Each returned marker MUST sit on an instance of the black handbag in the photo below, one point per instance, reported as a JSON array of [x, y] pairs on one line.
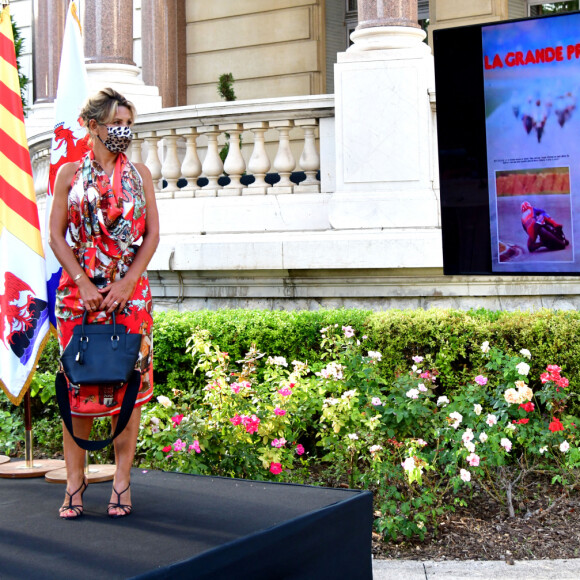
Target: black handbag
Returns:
[[99, 354]]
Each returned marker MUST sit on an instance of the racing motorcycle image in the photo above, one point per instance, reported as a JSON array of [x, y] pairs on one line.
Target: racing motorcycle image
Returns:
[[542, 229]]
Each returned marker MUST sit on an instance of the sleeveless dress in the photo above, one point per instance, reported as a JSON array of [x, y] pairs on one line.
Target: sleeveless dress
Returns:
[[106, 221]]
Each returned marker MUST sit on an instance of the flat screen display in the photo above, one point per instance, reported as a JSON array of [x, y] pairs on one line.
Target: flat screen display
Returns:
[[508, 124]]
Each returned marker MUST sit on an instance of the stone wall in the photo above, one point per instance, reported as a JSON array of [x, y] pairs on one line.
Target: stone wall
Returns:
[[272, 47]]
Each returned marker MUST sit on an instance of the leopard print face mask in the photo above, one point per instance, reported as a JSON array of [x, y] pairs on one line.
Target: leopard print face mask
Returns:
[[118, 140]]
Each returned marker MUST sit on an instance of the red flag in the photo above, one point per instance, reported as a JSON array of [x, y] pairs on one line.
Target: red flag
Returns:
[[23, 303]]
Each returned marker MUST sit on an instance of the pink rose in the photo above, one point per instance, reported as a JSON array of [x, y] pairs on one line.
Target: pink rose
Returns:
[[236, 419], [251, 423], [179, 445], [276, 468], [177, 419], [348, 331], [299, 449], [481, 380], [195, 447], [285, 392], [279, 412]]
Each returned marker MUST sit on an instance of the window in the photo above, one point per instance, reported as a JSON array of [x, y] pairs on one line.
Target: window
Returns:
[[540, 7], [350, 19]]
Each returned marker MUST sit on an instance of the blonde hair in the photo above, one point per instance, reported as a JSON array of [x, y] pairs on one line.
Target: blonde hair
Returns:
[[103, 106]]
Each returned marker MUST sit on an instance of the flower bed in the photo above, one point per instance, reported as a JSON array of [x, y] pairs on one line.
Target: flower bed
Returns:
[[414, 447]]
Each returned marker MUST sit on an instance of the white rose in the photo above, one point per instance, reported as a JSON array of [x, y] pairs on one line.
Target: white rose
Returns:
[[163, 400], [523, 368]]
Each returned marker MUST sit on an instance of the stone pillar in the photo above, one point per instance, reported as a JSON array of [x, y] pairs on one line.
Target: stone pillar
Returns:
[[48, 20], [385, 24], [387, 13], [385, 135], [108, 35], [163, 49], [48, 32], [108, 31]]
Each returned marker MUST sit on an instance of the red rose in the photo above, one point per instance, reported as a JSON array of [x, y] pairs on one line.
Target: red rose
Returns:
[[555, 425], [166, 449]]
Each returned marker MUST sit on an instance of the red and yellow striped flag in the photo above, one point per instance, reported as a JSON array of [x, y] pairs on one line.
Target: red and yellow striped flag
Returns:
[[23, 305]]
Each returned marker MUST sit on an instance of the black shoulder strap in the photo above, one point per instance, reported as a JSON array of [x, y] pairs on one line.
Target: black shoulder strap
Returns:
[[127, 405]]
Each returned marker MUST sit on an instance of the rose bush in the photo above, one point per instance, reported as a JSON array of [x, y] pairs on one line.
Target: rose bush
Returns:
[[411, 442]]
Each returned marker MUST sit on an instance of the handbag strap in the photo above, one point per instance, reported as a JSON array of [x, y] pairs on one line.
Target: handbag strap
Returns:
[[127, 405], [84, 322]]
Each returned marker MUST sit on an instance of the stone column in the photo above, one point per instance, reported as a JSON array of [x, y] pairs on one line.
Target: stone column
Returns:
[[385, 24], [387, 13], [163, 49], [108, 40], [108, 31], [48, 32], [48, 20], [385, 135]]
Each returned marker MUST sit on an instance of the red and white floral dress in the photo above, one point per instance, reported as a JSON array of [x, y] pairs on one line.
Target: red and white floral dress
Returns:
[[106, 223]]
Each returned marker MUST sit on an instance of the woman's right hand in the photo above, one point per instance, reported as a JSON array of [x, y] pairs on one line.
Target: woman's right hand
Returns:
[[90, 296]]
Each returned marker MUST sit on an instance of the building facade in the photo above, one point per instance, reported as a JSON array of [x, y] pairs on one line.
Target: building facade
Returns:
[[336, 93]]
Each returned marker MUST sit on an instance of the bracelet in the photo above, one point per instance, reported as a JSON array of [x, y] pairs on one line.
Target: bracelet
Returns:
[[77, 277]]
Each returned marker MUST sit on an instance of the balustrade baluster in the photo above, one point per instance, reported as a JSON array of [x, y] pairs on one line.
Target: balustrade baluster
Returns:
[[137, 150], [44, 171], [212, 165], [284, 162], [40, 170], [153, 162], [234, 164], [191, 166], [171, 168], [310, 159], [259, 163]]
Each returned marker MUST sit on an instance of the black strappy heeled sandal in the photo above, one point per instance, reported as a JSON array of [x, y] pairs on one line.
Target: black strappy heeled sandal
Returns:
[[76, 509], [127, 509]]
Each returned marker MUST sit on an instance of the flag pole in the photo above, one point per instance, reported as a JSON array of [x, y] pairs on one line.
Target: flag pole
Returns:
[[28, 446]]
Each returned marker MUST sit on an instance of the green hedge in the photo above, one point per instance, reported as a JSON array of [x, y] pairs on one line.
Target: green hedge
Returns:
[[451, 337]]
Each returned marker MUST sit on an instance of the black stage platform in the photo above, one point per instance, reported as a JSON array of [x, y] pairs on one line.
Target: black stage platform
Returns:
[[187, 526]]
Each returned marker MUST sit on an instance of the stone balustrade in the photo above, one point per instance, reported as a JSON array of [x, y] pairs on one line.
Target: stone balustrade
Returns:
[[268, 141]]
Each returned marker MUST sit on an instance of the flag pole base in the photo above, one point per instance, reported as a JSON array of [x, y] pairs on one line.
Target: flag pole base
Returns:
[[94, 473], [19, 470]]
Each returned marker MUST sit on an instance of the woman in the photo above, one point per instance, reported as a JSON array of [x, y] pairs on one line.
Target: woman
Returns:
[[108, 207]]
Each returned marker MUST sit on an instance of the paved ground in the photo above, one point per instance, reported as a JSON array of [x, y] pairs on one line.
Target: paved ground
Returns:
[[496, 570]]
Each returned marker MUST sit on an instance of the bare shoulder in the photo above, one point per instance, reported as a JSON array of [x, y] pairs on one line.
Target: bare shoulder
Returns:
[[66, 172], [143, 170]]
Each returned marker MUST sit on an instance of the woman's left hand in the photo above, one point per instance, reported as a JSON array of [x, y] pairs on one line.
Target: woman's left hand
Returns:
[[117, 294]]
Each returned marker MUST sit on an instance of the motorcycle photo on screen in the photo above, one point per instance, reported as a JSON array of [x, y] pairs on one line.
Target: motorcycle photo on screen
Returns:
[[543, 231]]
